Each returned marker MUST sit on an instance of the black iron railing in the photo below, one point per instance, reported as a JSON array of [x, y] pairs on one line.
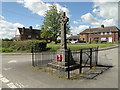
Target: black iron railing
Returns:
[[85, 59]]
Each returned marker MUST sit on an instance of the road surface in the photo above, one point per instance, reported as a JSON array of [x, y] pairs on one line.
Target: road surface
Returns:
[[17, 72]]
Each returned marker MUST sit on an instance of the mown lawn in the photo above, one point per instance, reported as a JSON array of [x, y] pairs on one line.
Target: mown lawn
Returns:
[[77, 46]]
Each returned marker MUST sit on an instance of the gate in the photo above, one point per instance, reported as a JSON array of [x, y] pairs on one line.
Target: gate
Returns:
[[86, 59]]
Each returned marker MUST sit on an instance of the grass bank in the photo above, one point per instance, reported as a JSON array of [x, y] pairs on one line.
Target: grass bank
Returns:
[[54, 47], [77, 46]]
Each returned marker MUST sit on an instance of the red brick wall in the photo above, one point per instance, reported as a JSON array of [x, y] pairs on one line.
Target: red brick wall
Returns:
[[87, 37]]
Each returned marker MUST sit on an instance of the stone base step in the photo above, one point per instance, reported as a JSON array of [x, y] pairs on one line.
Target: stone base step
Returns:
[[63, 68]]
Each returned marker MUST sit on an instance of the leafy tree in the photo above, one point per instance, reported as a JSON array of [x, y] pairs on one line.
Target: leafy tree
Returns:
[[45, 33], [51, 25]]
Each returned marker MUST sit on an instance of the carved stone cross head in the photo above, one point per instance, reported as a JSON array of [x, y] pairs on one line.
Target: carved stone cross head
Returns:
[[63, 18]]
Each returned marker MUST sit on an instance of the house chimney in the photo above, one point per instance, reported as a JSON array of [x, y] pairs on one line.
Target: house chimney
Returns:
[[102, 26], [30, 27], [23, 30]]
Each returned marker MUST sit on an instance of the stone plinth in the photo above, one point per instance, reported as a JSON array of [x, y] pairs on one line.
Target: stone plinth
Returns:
[[63, 64]]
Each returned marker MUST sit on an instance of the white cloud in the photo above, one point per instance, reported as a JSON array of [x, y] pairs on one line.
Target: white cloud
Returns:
[[8, 29], [104, 12], [88, 18], [106, 9], [75, 22], [59, 8], [94, 21], [77, 30], [40, 8], [1, 17]]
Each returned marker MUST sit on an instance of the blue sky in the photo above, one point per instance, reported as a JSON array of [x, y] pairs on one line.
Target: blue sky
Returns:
[[15, 12], [82, 15]]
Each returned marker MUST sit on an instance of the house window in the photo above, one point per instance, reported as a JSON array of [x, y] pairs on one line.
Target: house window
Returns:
[[95, 33], [110, 33], [105, 33], [70, 39], [37, 36], [98, 33], [101, 33], [103, 39], [83, 39], [29, 36]]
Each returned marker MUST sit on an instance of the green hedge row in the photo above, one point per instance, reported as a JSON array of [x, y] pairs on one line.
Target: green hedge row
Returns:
[[24, 45]]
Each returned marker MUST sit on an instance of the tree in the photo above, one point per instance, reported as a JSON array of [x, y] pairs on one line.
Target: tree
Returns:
[[46, 33], [51, 25]]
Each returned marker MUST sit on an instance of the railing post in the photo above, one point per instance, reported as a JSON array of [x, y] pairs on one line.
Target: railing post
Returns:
[[80, 68], [96, 56], [68, 64], [32, 56], [90, 58]]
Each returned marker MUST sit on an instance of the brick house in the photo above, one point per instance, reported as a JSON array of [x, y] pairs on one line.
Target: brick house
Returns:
[[27, 33], [101, 34]]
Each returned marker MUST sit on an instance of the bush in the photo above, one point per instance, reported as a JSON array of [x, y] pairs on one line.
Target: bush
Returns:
[[24, 45], [7, 39], [8, 50]]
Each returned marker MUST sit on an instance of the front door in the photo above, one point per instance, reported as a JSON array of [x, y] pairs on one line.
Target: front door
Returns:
[[110, 39]]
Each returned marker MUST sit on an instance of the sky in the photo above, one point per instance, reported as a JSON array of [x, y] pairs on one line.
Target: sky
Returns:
[[82, 15]]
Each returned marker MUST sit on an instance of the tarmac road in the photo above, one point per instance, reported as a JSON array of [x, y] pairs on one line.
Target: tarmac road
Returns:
[[17, 72]]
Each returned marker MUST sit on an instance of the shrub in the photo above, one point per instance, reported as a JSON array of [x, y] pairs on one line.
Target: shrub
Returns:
[[7, 39], [24, 45], [8, 50]]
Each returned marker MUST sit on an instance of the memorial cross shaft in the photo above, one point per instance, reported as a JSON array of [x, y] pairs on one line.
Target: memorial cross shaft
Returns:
[[63, 21]]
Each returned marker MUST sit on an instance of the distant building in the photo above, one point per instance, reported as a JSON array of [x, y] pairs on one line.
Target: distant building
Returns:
[[101, 34], [27, 33]]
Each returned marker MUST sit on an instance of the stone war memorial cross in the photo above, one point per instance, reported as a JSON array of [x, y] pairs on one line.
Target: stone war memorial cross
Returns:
[[63, 51], [62, 54]]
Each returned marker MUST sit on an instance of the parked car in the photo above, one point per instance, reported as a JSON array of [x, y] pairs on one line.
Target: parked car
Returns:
[[80, 41], [74, 41]]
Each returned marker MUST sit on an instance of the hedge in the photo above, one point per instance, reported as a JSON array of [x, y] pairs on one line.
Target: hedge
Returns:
[[24, 45]]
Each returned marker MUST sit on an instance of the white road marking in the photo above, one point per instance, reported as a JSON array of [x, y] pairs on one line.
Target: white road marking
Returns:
[[5, 80], [12, 61], [11, 85], [1, 75], [7, 69], [20, 85]]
